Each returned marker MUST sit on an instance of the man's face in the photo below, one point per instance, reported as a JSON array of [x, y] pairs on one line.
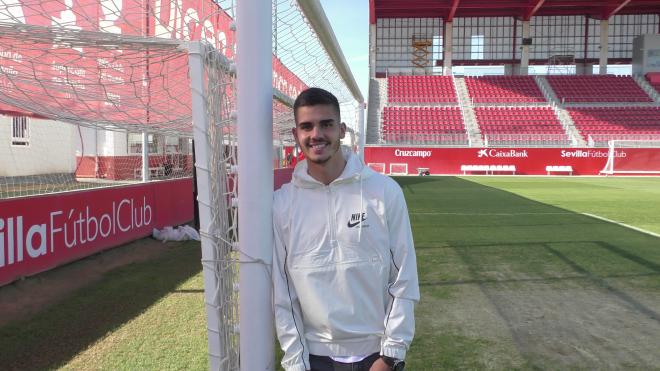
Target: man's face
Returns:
[[318, 132]]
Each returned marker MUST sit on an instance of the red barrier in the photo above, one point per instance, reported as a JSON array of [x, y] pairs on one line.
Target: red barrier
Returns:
[[638, 159], [41, 232], [128, 167], [529, 161], [282, 176]]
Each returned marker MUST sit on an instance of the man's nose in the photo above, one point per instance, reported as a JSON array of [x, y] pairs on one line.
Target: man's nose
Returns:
[[316, 131]]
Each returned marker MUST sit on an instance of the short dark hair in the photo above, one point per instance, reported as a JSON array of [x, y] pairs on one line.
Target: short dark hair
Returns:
[[313, 97]]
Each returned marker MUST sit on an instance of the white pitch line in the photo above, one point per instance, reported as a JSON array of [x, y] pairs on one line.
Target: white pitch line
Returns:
[[484, 214], [623, 225]]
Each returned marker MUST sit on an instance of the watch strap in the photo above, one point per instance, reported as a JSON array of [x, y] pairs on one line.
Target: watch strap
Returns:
[[394, 363]]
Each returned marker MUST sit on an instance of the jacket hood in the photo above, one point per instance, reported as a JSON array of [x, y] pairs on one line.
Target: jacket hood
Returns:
[[354, 171]]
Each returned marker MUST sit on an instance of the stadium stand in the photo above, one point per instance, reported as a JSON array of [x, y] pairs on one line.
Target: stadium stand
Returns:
[[597, 88], [420, 89], [507, 110], [600, 124], [521, 126], [439, 125], [504, 89]]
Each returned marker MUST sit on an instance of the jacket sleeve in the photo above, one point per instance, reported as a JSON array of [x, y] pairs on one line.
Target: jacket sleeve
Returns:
[[403, 284], [288, 317]]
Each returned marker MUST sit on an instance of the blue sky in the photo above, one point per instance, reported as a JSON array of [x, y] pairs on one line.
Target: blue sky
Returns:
[[350, 22]]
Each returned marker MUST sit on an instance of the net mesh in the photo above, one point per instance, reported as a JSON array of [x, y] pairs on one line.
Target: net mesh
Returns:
[[219, 231], [94, 76], [75, 82], [297, 46], [63, 157], [80, 82], [80, 116], [115, 83]]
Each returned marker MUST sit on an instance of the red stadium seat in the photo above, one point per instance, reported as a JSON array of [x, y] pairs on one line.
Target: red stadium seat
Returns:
[[440, 125], [607, 123], [521, 126], [421, 89], [597, 88], [504, 89]]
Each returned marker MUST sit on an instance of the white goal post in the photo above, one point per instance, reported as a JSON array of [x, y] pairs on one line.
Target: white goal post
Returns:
[[632, 157]]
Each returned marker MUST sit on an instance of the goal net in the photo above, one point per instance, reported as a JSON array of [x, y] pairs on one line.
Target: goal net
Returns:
[[103, 88], [116, 78], [632, 157], [76, 104]]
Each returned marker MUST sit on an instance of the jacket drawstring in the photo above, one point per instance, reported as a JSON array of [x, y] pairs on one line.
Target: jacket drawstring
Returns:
[[361, 210]]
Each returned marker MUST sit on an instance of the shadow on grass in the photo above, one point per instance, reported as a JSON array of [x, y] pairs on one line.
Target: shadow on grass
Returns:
[[510, 247], [58, 333]]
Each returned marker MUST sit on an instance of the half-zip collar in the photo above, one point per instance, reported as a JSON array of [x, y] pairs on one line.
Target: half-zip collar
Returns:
[[353, 171]]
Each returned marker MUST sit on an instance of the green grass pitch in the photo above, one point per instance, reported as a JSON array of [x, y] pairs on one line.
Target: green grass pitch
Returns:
[[519, 273], [516, 274]]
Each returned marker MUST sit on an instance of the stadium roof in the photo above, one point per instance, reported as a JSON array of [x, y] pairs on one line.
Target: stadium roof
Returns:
[[522, 9]]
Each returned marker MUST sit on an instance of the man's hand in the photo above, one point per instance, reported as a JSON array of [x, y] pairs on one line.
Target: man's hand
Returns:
[[380, 365]]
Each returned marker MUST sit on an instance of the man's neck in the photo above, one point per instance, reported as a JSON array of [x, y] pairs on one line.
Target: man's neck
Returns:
[[326, 173]]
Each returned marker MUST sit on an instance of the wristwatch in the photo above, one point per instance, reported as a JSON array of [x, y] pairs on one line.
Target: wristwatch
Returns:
[[394, 363]]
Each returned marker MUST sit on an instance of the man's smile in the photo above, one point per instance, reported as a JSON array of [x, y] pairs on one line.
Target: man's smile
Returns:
[[318, 147]]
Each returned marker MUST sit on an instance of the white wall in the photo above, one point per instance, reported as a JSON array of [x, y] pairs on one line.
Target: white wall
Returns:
[[51, 150], [88, 146], [101, 142], [113, 143]]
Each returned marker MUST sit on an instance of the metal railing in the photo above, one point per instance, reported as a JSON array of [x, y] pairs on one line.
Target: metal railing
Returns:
[[527, 140], [425, 139], [602, 140]]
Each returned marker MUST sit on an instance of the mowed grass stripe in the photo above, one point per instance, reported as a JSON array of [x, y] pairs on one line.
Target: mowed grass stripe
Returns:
[[496, 255], [633, 201]]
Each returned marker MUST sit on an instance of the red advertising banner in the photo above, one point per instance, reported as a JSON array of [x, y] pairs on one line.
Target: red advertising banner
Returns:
[[637, 159], [529, 161], [282, 176], [39, 233]]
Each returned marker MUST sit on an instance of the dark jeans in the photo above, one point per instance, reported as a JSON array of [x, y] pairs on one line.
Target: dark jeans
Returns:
[[323, 363]]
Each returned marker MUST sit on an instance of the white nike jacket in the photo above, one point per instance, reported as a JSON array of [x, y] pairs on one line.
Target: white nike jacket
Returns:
[[344, 267]]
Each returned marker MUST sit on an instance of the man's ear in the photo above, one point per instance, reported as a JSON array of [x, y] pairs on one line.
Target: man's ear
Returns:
[[295, 137], [342, 128]]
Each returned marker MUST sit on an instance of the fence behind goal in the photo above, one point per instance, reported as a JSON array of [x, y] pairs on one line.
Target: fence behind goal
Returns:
[[59, 156]]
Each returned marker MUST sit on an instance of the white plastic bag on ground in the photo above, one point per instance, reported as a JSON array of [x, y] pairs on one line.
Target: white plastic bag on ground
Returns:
[[180, 233]]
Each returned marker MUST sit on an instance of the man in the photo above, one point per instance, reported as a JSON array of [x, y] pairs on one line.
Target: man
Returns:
[[344, 269]]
